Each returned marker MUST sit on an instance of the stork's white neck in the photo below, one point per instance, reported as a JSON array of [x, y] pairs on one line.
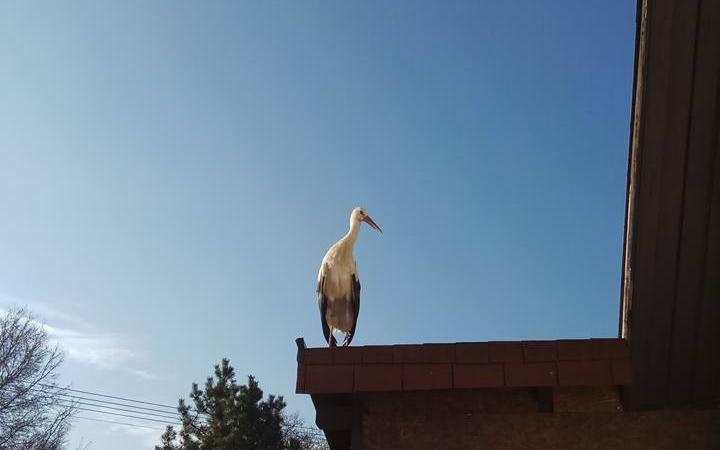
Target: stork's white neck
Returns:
[[348, 241]]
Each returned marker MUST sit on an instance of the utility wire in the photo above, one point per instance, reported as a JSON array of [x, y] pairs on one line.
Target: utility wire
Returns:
[[317, 433], [119, 409], [126, 415], [101, 404], [106, 396], [309, 430], [69, 400], [78, 397], [118, 423], [59, 391]]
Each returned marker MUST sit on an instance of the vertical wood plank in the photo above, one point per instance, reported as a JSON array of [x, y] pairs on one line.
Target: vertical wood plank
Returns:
[[696, 206], [662, 156], [632, 172], [657, 35], [707, 363]]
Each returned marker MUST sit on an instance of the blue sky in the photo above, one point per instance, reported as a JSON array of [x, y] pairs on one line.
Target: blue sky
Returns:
[[171, 174]]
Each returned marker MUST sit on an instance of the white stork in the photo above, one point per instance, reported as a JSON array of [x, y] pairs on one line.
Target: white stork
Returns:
[[339, 285]]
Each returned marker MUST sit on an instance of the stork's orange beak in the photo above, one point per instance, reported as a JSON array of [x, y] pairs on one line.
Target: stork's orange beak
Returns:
[[370, 222]]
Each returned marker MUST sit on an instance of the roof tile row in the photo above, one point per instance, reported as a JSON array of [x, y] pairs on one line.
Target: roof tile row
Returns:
[[463, 365], [471, 352]]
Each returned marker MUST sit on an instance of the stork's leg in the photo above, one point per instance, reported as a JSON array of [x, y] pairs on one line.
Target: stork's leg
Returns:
[[346, 342], [331, 340]]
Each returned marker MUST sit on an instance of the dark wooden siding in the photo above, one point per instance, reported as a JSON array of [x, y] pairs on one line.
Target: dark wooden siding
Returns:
[[671, 294]]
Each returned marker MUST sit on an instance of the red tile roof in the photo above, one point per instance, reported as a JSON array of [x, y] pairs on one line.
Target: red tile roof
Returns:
[[379, 368]]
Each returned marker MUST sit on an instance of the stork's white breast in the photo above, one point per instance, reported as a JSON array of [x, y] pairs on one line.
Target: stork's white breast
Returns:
[[338, 280], [338, 270]]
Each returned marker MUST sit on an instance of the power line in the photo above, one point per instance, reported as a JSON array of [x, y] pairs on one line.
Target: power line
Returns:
[[309, 430], [107, 402], [316, 432], [118, 423], [59, 390], [126, 415], [134, 408], [104, 404], [118, 409], [106, 396]]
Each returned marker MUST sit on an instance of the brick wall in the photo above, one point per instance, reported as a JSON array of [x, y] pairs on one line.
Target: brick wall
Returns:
[[508, 419]]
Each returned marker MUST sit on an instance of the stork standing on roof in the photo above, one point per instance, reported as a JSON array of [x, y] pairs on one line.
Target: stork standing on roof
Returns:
[[339, 285]]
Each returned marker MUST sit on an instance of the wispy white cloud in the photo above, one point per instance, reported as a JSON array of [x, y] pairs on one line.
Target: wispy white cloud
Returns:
[[102, 350], [148, 438], [142, 374], [84, 343]]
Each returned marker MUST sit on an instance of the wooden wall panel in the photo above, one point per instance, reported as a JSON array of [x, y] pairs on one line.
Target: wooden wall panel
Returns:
[[662, 150], [707, 364], [671, 292], [696, 206]]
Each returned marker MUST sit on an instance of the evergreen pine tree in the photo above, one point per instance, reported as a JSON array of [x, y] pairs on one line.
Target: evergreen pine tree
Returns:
[[227, 416]]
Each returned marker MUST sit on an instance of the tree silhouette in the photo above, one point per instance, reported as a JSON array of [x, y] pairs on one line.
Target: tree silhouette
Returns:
[[225, 415], [33, 413]]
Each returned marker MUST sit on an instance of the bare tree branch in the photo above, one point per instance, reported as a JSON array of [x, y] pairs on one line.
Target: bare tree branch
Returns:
[[32, 413]]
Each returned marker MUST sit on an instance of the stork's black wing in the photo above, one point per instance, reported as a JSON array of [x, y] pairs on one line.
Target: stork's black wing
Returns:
[[322, 304], [355, 306]]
